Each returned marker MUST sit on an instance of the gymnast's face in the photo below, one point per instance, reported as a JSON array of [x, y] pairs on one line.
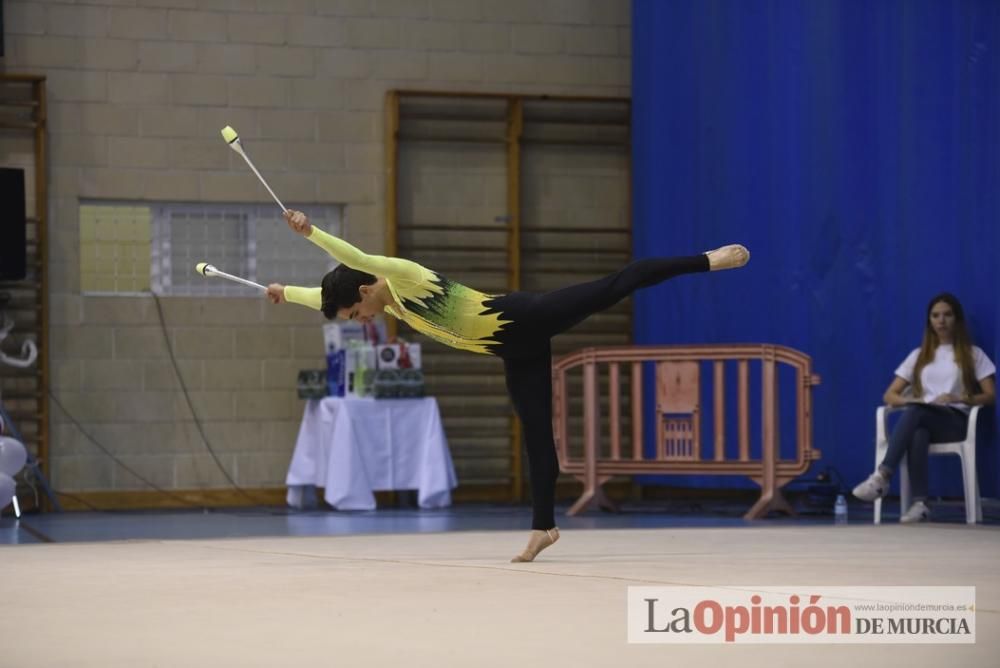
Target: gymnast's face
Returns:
[[942, 320], [364, 310]]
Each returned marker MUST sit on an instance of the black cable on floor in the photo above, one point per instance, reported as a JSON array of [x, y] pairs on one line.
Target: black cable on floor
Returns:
[[190, 404], [115, 459]]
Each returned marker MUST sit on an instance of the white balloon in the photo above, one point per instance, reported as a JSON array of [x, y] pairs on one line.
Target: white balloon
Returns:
[[12, 455], [7, 487]]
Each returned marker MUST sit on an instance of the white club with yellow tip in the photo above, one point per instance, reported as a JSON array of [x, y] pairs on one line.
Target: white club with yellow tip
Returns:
[[233, 139], [206, 269]]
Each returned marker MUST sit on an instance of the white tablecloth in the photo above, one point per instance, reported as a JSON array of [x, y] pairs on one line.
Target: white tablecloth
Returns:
[[353, 447]]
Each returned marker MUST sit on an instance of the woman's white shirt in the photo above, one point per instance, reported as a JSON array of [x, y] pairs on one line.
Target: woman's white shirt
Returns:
[[942, 375]]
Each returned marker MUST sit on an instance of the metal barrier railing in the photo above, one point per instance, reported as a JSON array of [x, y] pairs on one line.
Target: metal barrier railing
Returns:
[[678, 442]]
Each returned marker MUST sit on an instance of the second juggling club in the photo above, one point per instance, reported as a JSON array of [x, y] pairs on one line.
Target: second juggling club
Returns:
[[233, 139]]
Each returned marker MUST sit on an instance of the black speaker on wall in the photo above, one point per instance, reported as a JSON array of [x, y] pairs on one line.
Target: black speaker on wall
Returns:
[[13, 225]]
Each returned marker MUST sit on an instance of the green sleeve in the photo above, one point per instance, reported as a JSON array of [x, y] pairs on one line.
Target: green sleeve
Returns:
[[380, 266], [311, 297]]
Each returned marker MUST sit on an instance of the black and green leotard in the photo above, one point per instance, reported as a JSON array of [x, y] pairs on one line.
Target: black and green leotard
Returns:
[[442, 309]]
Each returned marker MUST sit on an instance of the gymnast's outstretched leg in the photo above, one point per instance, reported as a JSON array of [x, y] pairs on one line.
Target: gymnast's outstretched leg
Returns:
[[560, 310]]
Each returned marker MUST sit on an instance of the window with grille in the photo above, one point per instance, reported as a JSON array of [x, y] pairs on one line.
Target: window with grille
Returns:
[[130, 248], [114, 248]]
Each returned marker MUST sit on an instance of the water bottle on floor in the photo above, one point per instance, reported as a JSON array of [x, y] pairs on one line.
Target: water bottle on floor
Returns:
[[840, 510]]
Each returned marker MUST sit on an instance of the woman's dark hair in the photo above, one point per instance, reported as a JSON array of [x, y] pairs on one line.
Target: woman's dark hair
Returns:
[[341, 289], [961, 340]]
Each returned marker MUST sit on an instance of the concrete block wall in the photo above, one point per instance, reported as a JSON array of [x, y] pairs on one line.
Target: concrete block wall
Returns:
[[138, 90]]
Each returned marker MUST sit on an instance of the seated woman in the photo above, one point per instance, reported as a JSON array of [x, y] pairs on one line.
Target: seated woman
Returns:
[[948, 375]]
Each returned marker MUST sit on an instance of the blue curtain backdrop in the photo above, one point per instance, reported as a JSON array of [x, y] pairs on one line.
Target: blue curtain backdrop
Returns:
[[853, 147]]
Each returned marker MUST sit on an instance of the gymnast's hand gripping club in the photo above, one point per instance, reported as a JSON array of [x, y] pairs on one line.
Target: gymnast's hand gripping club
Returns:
[[233, 139], [205, 269]]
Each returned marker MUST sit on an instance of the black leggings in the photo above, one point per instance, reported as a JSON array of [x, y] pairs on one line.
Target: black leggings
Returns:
[[527, 355]]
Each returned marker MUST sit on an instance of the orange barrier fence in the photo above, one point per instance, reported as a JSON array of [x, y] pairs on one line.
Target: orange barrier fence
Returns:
[[679, 414]]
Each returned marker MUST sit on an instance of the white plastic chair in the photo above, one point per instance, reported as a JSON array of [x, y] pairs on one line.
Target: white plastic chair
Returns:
[[966, 451]]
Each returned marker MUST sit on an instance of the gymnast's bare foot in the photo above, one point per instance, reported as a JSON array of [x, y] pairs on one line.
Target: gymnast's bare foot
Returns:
[[728, 257], [538, 541]]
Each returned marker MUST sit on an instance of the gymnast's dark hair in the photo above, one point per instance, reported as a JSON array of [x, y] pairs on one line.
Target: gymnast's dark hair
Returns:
[[340, 289]]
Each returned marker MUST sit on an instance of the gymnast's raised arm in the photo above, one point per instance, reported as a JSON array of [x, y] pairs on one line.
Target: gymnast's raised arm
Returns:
[[340, 250]]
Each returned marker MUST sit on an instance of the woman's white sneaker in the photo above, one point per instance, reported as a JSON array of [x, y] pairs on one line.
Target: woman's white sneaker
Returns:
[[918, 512], [874, 487]]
